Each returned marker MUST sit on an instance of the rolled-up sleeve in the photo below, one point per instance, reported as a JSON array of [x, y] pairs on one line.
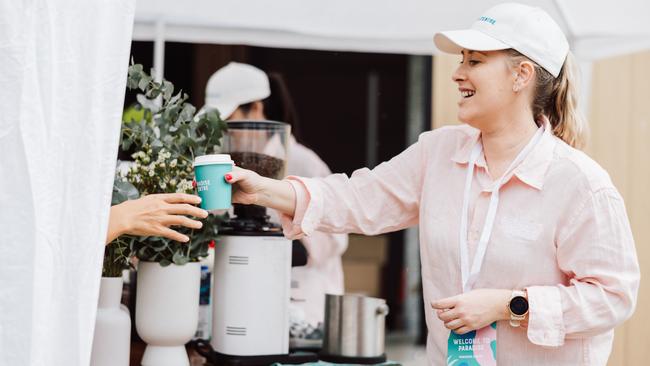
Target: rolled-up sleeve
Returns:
[[595, 249], [370, 202]]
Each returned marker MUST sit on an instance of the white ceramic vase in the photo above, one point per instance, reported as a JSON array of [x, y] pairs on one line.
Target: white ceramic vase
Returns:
[[166, 311], [112, 339]]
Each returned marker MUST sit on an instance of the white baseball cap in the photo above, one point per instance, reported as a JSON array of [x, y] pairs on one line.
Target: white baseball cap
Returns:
[[233, 85], [527, 29]]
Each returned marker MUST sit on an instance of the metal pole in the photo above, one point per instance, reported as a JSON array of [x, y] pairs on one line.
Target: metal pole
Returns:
[[373, 119], [159, 51]]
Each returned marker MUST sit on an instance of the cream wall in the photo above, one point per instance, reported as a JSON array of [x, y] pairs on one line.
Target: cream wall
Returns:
[[619, 119]]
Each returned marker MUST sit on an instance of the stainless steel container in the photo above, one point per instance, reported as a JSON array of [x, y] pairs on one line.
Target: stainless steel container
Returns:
[[354, 326]]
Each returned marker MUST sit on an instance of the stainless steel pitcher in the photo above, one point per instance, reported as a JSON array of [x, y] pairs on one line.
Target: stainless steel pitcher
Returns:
[[354, 326]]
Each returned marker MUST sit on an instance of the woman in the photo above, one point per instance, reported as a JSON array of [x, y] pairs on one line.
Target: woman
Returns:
[[526, 248]]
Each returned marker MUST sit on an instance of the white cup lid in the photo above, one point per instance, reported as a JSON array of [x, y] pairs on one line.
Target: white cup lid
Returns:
[[212, 159]]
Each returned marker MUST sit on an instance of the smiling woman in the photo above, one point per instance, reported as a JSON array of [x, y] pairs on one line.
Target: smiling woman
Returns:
[[553, 290]]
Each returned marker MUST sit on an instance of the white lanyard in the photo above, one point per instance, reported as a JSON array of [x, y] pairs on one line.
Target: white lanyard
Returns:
[[469, 278]]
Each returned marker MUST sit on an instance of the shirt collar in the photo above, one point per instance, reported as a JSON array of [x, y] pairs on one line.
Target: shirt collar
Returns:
[[461, 155], [532, 169]]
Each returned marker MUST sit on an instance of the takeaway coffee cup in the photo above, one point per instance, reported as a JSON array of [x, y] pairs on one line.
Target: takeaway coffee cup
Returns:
[[209, 171]]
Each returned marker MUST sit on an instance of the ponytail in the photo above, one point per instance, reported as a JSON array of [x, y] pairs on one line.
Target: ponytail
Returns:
[[556, 98], [568, 122]]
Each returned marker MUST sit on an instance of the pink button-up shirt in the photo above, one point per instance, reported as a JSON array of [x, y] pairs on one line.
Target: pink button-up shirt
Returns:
[[561, 232]]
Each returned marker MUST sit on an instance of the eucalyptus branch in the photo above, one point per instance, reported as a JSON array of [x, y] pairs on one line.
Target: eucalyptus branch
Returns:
[[165, 137]]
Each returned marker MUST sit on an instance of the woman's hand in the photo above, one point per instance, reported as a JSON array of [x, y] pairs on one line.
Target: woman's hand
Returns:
[[153, 215], [247, 185], [250, 188], [473, 310]]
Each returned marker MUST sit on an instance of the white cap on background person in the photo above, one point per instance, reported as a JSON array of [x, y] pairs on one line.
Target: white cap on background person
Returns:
[[527, 29], [233, 85]]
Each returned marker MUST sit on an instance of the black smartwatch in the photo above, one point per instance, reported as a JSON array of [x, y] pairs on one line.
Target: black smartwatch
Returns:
[[518, 307]]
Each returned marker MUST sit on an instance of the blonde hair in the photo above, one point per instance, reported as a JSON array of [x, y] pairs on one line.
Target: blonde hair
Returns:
[[557, 99]]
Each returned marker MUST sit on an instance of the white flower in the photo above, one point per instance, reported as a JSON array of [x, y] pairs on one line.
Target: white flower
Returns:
[[151, 173], [161, 155], [173, 163], [124, 167], [163, 185], [172, 182], [162, 165], [184, 186]]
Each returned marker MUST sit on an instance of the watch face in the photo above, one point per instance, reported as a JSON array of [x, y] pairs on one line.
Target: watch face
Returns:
[[519, 305]]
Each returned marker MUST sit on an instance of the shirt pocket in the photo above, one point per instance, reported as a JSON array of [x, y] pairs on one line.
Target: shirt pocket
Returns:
[[521, 228]]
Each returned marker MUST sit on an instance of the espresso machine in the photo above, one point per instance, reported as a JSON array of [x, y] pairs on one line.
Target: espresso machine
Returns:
[[252, 263]]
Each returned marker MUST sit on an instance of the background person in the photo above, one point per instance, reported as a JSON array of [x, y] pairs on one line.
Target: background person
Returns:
[[244, 92], [518, 228]]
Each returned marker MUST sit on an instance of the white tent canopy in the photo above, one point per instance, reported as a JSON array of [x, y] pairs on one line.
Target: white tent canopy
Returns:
[[596, 28]]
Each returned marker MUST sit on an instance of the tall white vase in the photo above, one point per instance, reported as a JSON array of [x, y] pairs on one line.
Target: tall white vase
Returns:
[[112, 339], [166, 311]]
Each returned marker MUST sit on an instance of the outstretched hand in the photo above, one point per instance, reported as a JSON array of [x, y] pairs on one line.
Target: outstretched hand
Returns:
[[250, 188], [153, 215], [246, 185]]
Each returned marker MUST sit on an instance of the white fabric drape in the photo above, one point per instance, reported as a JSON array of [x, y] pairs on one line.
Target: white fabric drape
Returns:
[[62, 79]]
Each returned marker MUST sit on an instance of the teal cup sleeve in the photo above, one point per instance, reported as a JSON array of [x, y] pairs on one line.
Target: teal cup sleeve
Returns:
[[215, 192]]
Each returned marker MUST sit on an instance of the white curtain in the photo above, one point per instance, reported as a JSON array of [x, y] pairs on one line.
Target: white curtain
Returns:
[[63, 70]]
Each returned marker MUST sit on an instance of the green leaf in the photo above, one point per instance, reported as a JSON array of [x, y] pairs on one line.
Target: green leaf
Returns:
[[167, 89], [153, 93], [144, 82], [175, 99], [187, 114], [165, 262], [157, 244], [126, 144], [122, 191], [180, 258]]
